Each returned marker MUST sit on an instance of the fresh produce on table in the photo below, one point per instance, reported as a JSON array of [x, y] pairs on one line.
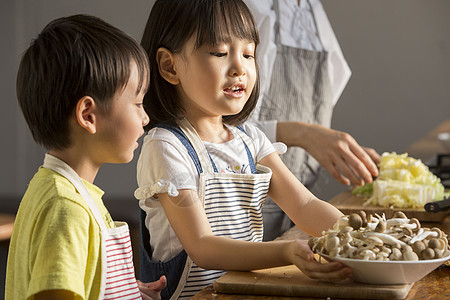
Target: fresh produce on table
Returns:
[[367, 237], [403, 182]]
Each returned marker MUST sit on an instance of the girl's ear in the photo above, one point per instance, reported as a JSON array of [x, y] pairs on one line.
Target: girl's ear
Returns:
[[85, 113], [166, 65]]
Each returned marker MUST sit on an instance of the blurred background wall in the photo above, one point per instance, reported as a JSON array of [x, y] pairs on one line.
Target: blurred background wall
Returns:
[[399, 53]]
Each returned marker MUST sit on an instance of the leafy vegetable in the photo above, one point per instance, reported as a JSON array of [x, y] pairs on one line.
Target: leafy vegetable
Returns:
[[403, 182]]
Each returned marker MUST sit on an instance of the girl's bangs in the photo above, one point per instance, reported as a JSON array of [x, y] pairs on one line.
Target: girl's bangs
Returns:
[[226, 19]]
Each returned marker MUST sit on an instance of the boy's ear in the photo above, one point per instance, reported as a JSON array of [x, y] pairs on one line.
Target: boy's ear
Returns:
[[85, 114], [166, 65]]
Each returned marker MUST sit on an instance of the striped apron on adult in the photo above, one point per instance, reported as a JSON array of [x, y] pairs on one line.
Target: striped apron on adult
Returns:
[[299, 91], [233, 205], [118, 278]]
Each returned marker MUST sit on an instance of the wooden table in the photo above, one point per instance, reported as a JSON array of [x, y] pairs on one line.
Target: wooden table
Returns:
[[6, 226], [435, 285]]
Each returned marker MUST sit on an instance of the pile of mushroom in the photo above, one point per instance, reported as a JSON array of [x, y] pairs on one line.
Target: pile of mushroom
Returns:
[[359, 236]]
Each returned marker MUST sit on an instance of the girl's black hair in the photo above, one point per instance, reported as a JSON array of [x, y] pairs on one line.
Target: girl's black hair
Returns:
[[170, 25]]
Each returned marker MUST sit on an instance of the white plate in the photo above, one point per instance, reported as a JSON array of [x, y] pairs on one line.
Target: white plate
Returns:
[[389, 272]]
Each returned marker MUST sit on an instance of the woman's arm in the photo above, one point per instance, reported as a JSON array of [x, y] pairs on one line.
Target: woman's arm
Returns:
[[187, 218], [337, 151]]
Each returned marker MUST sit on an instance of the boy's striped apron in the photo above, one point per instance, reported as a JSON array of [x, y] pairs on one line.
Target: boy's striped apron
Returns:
[[232, 202], [118, 278]]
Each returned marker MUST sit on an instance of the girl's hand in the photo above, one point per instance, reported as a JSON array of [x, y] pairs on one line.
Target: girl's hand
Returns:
[[152, 290], [302, 256]]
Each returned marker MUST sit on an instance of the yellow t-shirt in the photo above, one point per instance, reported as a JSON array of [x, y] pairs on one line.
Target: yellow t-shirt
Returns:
[[56, 242]]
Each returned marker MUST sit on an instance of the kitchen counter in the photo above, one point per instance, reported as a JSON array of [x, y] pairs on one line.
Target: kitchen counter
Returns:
[[435, 285], [428, 146]]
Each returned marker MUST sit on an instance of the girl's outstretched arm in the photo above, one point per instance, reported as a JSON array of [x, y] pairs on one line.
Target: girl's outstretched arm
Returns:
[[188, 219], [303, 208]]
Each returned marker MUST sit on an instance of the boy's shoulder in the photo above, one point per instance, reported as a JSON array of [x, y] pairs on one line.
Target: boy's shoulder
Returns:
[[48, 188]]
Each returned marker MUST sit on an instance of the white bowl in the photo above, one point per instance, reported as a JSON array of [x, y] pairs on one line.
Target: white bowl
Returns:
[[444, 137], [389, 272]]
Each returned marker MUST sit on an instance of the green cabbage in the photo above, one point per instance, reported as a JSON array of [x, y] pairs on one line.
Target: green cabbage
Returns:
[[402, 182]]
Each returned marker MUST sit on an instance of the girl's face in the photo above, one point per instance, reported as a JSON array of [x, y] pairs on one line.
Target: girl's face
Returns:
[[215, 80]]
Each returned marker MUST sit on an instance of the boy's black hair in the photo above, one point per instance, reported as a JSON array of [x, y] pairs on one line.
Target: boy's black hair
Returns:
[[73, 57], [170, 25]]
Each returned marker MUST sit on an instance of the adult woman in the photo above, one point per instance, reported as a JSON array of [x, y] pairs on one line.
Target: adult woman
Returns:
[[303, 73]]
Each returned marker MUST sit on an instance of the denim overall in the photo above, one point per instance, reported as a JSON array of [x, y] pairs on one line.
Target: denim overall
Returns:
[[233, 205], [300, 90], [118, 279]]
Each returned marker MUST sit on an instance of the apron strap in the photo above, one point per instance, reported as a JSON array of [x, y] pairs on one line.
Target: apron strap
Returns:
[[248, 141], [276, 8], [193, 151], [198, 146], [57, 165]]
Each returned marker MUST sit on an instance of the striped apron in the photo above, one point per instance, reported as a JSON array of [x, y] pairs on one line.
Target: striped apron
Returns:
[[300, 90], [118, 279], [233, 205]]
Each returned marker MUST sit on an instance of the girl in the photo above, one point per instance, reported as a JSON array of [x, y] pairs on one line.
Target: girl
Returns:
[[203, 180]]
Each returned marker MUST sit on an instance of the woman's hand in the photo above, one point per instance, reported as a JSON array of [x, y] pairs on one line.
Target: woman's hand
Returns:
[[152, 290], [302, 256], [337, 151]]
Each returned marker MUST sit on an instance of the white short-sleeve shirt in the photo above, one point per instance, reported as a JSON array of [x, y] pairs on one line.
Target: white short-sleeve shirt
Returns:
[[164, 166]]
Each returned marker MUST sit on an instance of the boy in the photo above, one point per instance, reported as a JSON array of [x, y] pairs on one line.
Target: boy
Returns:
[[80, 86]]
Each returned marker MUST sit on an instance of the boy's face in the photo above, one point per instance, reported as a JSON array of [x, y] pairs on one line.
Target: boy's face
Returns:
[[122, 125], [216, 80]]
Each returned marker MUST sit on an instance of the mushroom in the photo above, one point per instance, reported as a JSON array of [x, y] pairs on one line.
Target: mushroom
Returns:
[[438, 254], [439, 232], [341, 222], [407, 231], [396, 254], [374, 241], [335, 252], [400, 214], [427, 253], [382, 255], [414, 224], [438, 245], [409, 254], [368, 237], [363, 216], [317, 244], [332, 243], [346, 237], [397, 222], [349, 250], [355, 221], [367, 254], [386, 238], [435, 232], [418, 247], [386, 249], [381, 226]]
